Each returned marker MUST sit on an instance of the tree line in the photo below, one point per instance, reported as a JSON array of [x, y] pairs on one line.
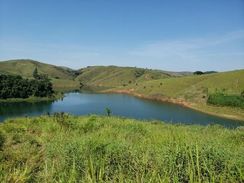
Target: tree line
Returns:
[[12, 86]]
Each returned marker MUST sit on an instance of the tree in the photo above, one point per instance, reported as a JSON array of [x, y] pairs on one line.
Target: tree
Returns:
[[108, 111], [242, 93], [18, 87], [35, 73], [198, 73], [81, 85]]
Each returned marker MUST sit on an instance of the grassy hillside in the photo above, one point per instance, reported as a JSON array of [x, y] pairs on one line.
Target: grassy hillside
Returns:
[[26, 67], [194, 87], [194, 90], [112, 76], [64, 148], [62, 78]]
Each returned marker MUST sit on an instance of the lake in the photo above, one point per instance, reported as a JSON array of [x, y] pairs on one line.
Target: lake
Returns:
[[120, 105]]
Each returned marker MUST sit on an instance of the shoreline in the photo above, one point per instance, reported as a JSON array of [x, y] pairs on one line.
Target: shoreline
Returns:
[[174, 101], [32, 99]]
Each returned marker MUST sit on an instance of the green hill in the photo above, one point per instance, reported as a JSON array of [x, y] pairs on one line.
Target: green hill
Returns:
[[193, 90], [113, 76], [62, 78], [193, 87], [26, 67]]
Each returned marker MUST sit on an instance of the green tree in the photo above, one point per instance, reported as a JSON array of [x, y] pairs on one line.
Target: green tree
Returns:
[[35, 73], [242, 93], [108, 111]]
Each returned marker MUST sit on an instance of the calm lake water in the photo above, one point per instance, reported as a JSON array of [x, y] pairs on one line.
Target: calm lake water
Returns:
[[120, 105]]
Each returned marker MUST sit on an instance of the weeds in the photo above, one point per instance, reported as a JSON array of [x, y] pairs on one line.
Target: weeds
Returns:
[[63, 148]]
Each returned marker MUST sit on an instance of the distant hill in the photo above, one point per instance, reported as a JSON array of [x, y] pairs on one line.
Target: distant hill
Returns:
[[192, 88], [25, 68], [147, 81], [112, 76]]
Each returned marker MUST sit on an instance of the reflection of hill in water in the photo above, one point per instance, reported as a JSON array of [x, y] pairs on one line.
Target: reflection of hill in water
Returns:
[[24, 108]]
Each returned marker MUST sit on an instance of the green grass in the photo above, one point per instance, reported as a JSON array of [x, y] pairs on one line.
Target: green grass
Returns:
[[63, 148], [193, 88]]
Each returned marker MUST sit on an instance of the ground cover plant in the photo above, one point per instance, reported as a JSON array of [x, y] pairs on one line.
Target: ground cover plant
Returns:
[[64, 148]]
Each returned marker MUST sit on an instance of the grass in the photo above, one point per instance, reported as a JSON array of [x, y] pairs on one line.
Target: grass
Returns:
[[64, 148]]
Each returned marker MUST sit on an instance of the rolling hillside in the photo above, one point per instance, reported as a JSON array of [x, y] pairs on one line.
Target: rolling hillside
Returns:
[[25, 68], [192, 91], [193, 87], [112, 76], [62, 78]]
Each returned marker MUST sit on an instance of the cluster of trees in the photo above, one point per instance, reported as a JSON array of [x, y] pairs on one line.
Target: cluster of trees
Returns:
[[18, 87], [221, 99], [201, 73]]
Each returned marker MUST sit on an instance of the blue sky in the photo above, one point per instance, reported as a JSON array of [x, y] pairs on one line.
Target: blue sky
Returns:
[[172, 35]]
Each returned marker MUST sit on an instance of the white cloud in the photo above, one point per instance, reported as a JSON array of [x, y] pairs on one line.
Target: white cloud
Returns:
[[198, 53]]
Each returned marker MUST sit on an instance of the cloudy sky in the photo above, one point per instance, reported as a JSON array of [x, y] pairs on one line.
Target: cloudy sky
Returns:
[[171, 35]]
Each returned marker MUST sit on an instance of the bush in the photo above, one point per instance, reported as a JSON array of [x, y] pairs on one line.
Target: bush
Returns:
[[2, 140], [18, 87], [221, 99]]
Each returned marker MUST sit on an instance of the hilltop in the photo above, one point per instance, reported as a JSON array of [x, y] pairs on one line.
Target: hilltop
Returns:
[[25, 68], [62, 78]]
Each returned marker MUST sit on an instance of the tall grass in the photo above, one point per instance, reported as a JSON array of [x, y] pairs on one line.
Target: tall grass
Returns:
[[63, 148]]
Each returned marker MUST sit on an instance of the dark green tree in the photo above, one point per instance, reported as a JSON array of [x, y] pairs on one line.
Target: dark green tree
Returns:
[[35, 73], [108, 111]]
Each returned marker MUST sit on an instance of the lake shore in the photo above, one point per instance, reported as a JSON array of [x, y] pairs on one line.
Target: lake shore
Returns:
[[204, 109], [33, 99]]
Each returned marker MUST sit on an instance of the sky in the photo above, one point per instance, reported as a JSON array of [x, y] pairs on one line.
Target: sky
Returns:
[[172, 35]]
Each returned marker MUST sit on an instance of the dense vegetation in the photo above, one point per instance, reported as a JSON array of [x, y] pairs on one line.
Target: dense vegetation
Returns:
[[17, 87], [222, 99], [63, 148], [206, 72]]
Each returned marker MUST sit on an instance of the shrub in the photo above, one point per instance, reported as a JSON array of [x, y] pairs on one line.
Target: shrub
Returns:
[[2, 140], [221, 99]]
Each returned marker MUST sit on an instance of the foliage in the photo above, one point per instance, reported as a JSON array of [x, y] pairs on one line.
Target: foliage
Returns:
[[222, 99], [207, 72], [18, 87], [2, 140], [63, 148], [198, 73], [139, 72], [35, 73], [108, 111]]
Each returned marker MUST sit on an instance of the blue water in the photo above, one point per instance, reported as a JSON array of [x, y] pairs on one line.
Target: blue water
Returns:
[[120, 105]]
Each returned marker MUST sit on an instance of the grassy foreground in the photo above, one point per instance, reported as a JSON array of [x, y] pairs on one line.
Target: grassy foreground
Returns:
[[63, 148]]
